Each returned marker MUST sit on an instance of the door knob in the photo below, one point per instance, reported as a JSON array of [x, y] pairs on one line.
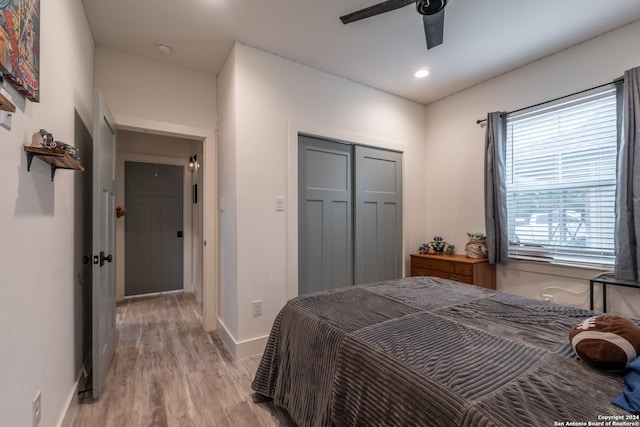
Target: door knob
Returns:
[[103, 258], [86, 259]]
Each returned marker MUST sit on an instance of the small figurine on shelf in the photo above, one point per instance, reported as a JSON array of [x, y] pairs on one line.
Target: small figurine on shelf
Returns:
[[41, 139], [69, 149], [477, 245], [44, 139], [436, 247]]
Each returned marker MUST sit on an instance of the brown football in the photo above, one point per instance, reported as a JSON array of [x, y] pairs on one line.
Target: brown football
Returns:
[[606, 341]]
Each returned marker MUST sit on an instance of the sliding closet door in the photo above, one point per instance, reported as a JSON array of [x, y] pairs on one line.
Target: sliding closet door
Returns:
[[378, 215], [325, 251], [349, 215]]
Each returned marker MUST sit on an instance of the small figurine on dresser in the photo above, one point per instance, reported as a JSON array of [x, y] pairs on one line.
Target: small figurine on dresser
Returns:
[[476, 246], [436, 247]]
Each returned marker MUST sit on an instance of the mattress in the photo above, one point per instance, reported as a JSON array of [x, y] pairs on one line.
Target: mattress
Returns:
[[424, 351]]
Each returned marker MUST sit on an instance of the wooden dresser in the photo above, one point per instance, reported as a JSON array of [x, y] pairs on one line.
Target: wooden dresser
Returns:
[[475, 271]]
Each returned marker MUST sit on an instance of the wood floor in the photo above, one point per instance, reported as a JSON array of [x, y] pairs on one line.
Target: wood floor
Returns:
[[168, 372]]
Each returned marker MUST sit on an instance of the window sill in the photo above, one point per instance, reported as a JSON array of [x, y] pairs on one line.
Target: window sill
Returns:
[[557, 268]]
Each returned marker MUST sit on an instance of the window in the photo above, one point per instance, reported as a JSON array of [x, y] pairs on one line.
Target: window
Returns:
[[561, 180]]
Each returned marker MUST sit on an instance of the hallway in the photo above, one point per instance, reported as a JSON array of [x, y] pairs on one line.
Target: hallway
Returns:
[[168, 372]]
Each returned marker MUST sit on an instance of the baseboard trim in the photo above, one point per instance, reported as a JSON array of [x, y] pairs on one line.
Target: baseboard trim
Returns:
[[71, 406], [155, 294], [252, 347], [227, 339], [241, 349]]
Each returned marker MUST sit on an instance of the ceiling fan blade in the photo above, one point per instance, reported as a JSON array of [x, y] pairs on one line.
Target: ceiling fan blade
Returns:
[[376, 9], [434, 29]]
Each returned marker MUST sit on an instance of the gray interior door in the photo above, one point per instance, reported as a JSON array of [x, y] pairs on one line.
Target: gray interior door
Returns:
[[325, 251], [103, 243], [153, 228], [378, 215]]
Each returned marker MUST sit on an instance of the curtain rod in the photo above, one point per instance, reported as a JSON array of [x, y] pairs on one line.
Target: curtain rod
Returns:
[[618, 80]]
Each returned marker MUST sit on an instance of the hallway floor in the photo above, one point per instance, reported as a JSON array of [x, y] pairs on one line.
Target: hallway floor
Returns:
[[168, 372]]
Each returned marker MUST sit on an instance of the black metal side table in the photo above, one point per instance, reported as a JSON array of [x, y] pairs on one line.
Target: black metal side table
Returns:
[[604, 280]]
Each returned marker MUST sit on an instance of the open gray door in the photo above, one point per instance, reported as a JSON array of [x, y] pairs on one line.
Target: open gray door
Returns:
[[103, 246]]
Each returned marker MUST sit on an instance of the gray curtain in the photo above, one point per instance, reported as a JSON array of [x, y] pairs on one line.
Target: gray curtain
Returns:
[[495, 194], [627, 229]]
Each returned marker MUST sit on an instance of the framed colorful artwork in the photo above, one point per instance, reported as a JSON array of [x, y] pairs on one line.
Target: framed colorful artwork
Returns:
[[20, 45]]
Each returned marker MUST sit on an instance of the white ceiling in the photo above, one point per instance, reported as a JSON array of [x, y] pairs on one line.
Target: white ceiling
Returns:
[[482, 38]]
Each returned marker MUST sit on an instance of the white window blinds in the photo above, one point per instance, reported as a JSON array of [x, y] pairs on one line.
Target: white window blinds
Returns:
[[561, 180]]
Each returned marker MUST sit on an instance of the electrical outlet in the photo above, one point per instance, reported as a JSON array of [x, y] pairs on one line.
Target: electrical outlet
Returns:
[[547, 297], [37, 409], [257, 308]]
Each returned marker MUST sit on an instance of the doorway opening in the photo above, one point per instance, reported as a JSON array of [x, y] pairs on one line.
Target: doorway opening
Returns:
[[96, 307], [154, 236], [140, 155]]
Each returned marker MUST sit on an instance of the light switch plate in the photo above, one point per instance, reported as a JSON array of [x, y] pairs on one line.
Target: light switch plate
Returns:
[[5, 119], [279, 204]]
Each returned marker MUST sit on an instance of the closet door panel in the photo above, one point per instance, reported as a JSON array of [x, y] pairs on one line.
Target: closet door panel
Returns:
[[378, 215], [325, 212]]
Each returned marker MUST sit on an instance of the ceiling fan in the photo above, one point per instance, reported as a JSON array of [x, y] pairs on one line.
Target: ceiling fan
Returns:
[[432, 12]]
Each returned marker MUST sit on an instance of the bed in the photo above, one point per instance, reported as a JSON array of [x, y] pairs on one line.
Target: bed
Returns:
[[424, 351]]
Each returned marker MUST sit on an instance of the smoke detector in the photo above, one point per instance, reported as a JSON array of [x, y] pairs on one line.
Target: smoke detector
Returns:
[[163, 48]]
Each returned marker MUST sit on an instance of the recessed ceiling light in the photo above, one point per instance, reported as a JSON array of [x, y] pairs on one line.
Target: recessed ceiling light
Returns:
[[163, 48], [422, 73]]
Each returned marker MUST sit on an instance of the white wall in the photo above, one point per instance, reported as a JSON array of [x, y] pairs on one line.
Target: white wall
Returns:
[[455, 150], [37, 328], [274, 100], [141, 88], [228, 302]]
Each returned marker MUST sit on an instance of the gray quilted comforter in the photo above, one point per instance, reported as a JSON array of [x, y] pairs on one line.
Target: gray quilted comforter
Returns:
[[423, 351]]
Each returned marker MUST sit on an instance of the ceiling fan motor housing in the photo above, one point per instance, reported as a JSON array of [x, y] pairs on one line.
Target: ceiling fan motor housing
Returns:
[[430, 7]]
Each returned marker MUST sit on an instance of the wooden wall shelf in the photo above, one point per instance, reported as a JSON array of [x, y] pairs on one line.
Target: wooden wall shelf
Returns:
[[6, 105], [58, 159]]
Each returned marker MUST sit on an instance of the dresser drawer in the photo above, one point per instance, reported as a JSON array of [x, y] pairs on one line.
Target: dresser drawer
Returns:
[[432, 264], [428, 272], [455, 267], [463, 269], [463, 279]]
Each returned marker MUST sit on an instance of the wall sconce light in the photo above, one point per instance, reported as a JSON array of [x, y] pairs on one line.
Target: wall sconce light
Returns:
[[193, 163], [193, 167]]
